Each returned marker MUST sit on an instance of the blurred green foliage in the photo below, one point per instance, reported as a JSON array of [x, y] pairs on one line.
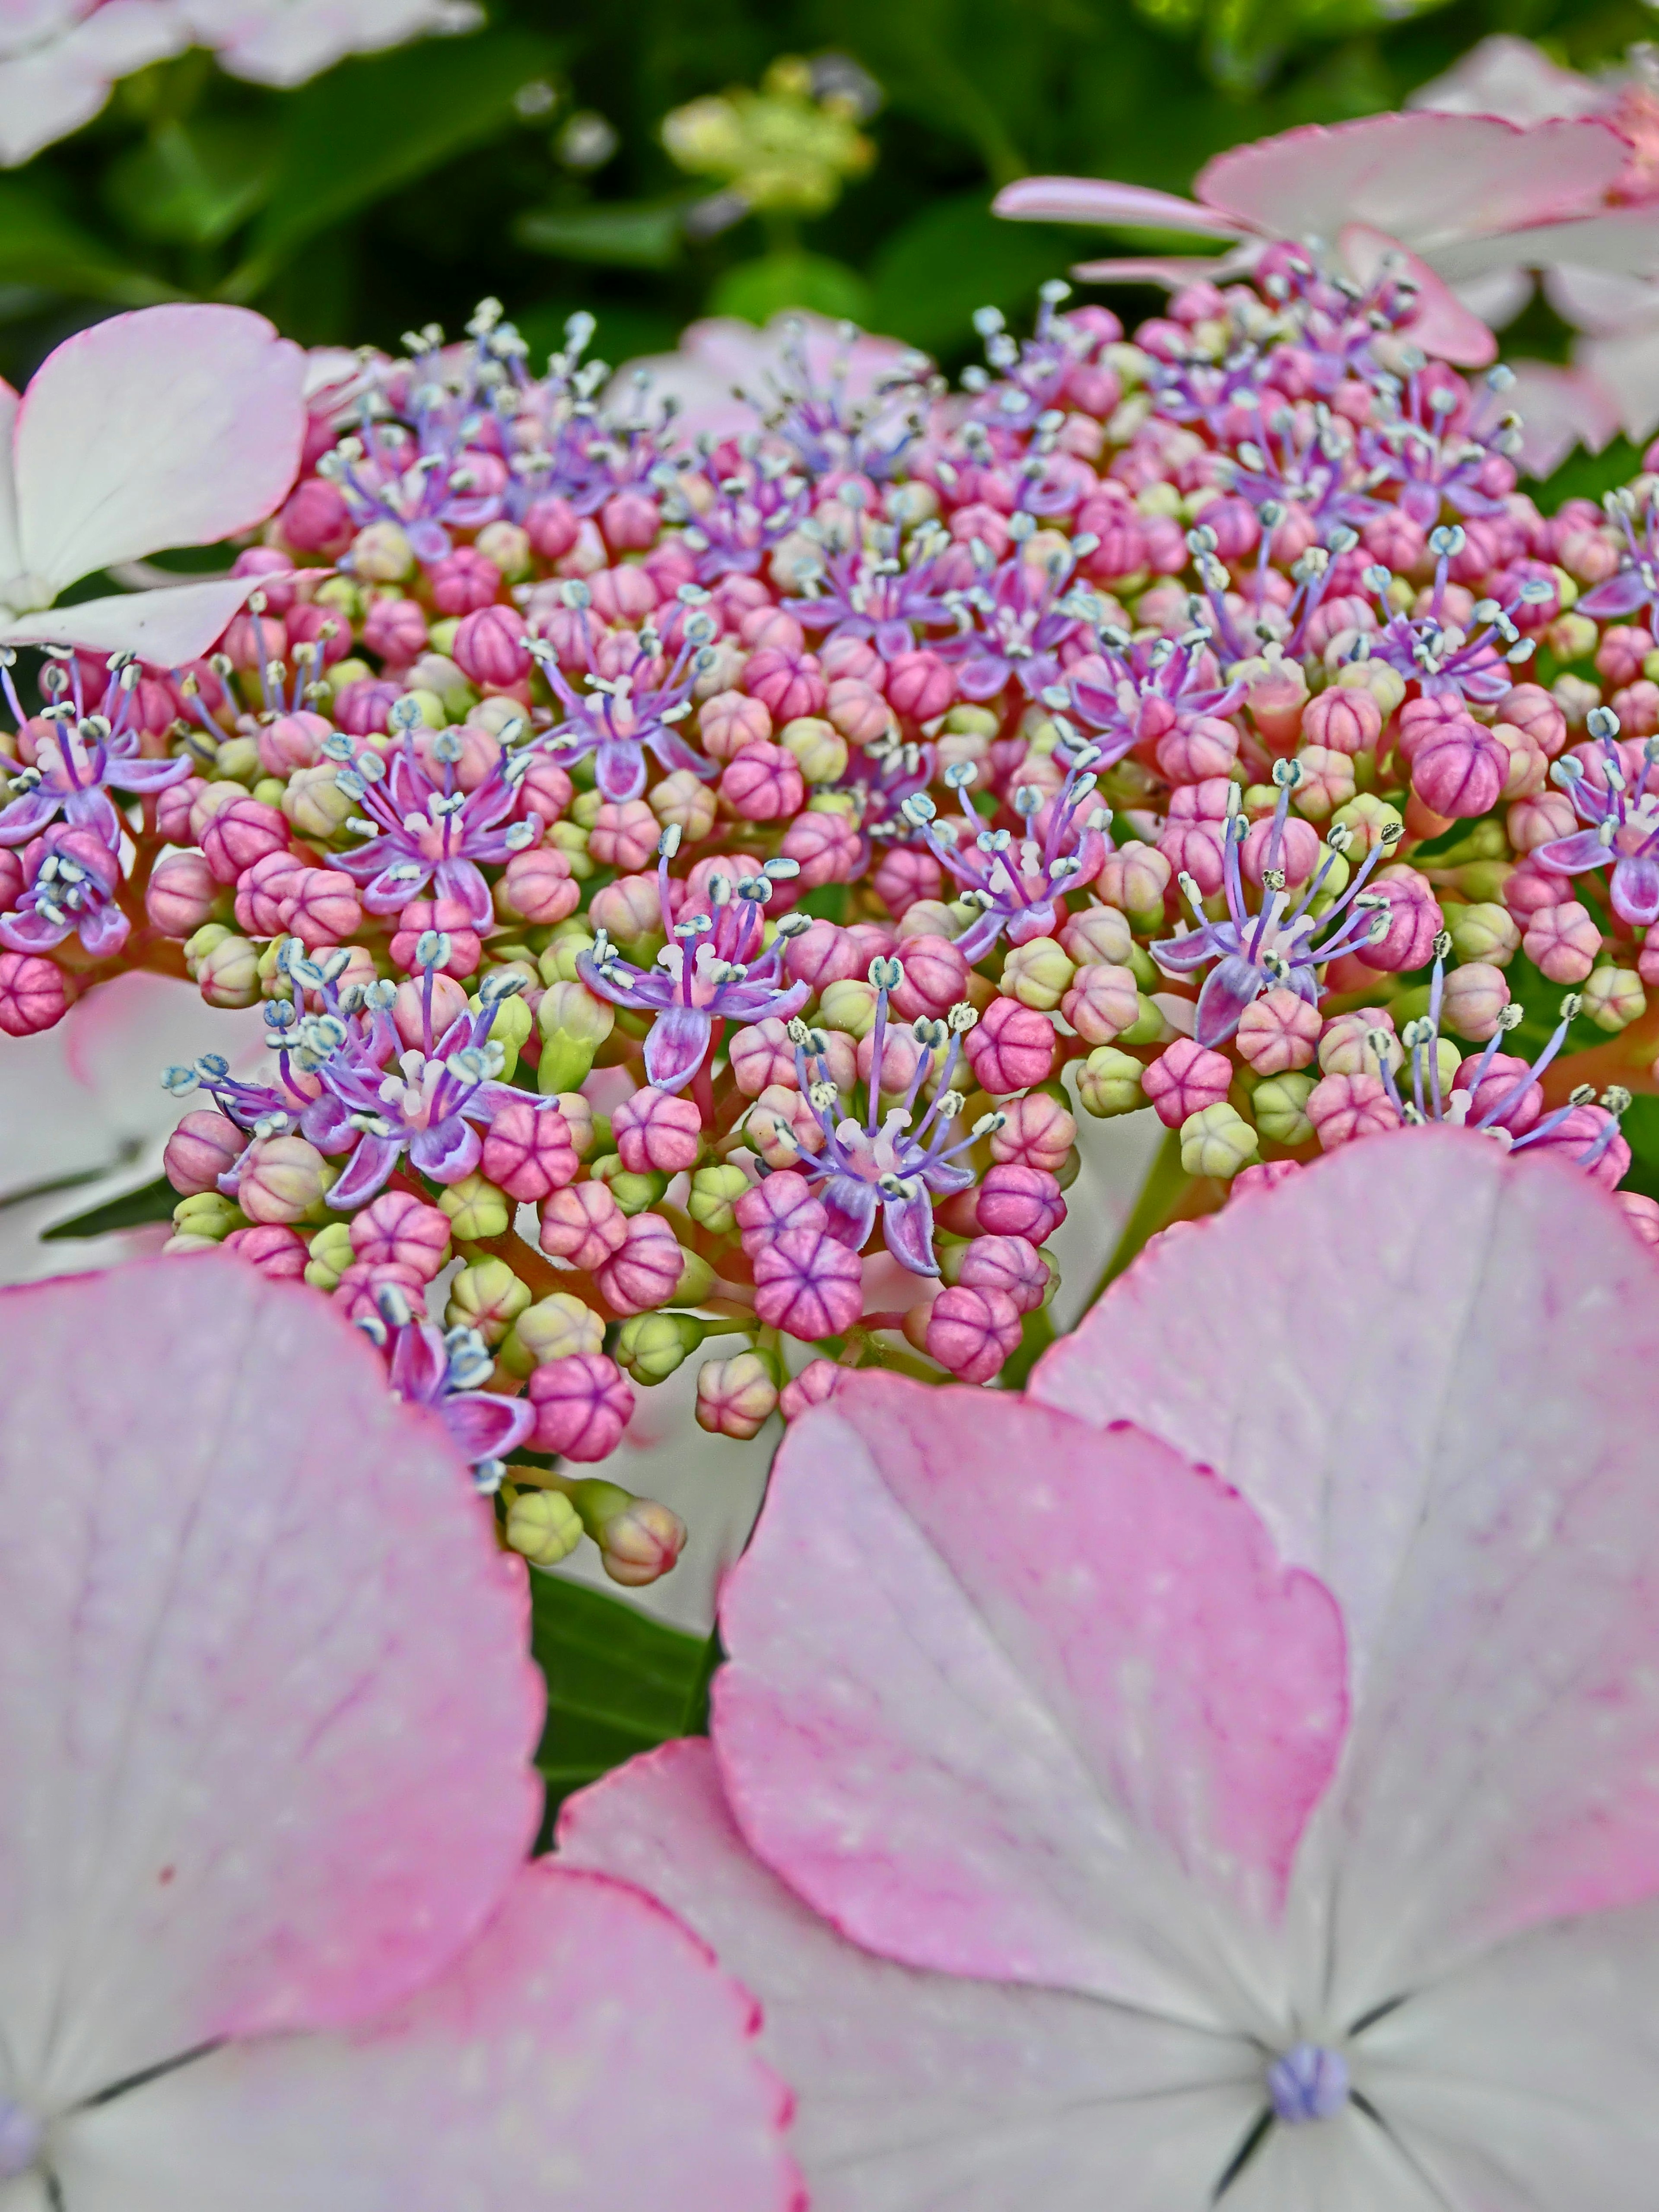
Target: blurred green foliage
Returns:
[[527, 160]]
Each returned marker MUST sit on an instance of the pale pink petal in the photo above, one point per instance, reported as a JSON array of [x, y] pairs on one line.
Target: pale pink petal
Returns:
[[11, 558], [1007, 1697], [1429, 1366], [1511, 77], [1498, 296], [1442, 325], [1561, 408], [1626, 367], [917, 2090], [173, 425], [1622, 240], [1348, 2164], [584, 2055], [175, 623], [1601, 301], [1169, 271], [1423, 178], [284, 42], [53, 78], [1515, 2080], [264, 1708], [1093, 199]]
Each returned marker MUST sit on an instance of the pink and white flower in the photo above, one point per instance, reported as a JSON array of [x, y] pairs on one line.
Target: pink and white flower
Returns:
[[59, 59], [1100, 1828], [268, 1936], [284, 42], [174, 426]]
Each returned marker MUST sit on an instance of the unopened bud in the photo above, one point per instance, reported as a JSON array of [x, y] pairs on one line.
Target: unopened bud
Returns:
[[543, 1527]]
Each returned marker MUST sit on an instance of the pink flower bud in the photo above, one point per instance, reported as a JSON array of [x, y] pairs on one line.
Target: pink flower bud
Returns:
[[1562, 941], [239, 834], [729, 721], [935, 978], [820, 1379], [1038, 1133], [901, 1056], [1134, 880], [408, 1008], [1184, 1080], [449, 916], [583, 1403], [858, 711], [527, 1151], [582, 1223], [807, 1285], [282, 1178], [645, 1269], [363, 710], [323, 910], [1575, 1135], [174, 808], [553, 524], [656, 1132], [203, 1146], [1199, 747], [1642, 1214], [463, 581], [1530, 707], [1636, 706], [762, 1054], [1536, 821], [1427, 717], [971, 1331], [292, 741], [825, 846], [1189, 845], [1459, 770], [1007, 1264], [1508, 1078], [624, 835], [762, 783], [1010, 1048], [1415, 922], [1102, 1002], [786, 684], [735, 1397], [919, 685], [1343, 720], [34, 994], [629, 520], [315, 519], [480, 752], [322, 626], [395, 631], [356, 1293], [181, 894], [265, 891], [641, 1543], [1297, 854], [770, 627], [277, 1252], [489, 646], [538, 886], [781, 1200], [1475, 996], [823, 954], [1019, 1201], [1279, 1032], [1395, 540], [398, 1229], [1341, 1107]]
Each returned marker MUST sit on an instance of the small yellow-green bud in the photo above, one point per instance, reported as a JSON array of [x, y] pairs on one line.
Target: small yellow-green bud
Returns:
[[225, 967], [696, 1279], [819, 747], [574, 1025], [556, 1327], [633, 1193], [1217, 1141], [714, 1191], [282, 1179], [510, 1029], [206, 1213], [507, 544], [486, 1296], [331, 1253], [1148, 1026], [736, 1396], [849, 1006], [314, 803], [1038, 973], [1613, 998], [569, 940], [1280, 1106], [381, 554], [543, 1527], [1109, 1081], [651, 1346], [1487, 932], [476, 1208], [237, 761]]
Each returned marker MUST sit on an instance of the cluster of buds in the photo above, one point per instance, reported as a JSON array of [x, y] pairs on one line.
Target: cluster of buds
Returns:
[[694, 885]]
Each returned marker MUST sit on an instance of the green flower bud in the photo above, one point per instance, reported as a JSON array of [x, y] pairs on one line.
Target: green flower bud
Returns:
[[1148, 1026], [543, 1527], [651, 1346], [208, 1213], [1217, 1141], [1109, 1081], [963, 721], [1038, 973], [476, 1208], [331, 1253], [569, 940], [1280, 1103], [1488, 933], [849, 1006], [555, 1328], [633, 1193], [510, 1029], [696, 1279], [237, 761], [1613, 998], [574, 1025], [486, 1296], [714, 1191], [381, 554]]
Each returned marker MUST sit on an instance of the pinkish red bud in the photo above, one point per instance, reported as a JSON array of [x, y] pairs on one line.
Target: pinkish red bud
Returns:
[[1296, 854], [463, 581], [1415, 922], [1562, 941], [203, 1146], [1017, 1201], [808, 1285], [919, 685], [641, 1543], [408, 1008], [398, 1229], [1342, 1107], [736, 1396], [1184, 1080], [1038, 1133], [528, 1152], [583, 1403], [1343, 720], [656, 1132], [553, 524], [181, 894], [1279, 1032], [292, 741], [762, 783], [241, 833], [778, 1201], [786, 684], [315, 519], [278, 1253], [645, 1269], [324, 909], [629, 520], [489, 646], [1642, 1214], [905, 875], [1475, 996], [1459, 770], [356, 1294], [760, 1054], [1199, 747], [1508, 1078], [820, 1379], [825, 846], [1010, 1048], [1007, 1264], [450, 917], [582, 1223], [1530, 707], [395, 631], [823, 954], [971, 1332], [1102, 1002], [262, 892]]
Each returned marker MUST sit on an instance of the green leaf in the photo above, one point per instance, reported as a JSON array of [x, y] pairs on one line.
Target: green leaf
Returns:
[[618, 234], [39, 246], [956, 256], [1639, 1127], [618, 1682], [354, 136], [192, 183], [758, 290], [154, 1202]]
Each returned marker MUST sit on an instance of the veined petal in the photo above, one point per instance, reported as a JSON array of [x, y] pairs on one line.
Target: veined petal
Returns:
[[447, 1150], [1009, 1700], [850, 1202], [1231, 986], [371, 1164], [1571, 855], [258, 1546], [173, 425], [1092, 199], [483, 1426], [176, 623], [675, 1048], [907, 1226], [1633, 891]]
